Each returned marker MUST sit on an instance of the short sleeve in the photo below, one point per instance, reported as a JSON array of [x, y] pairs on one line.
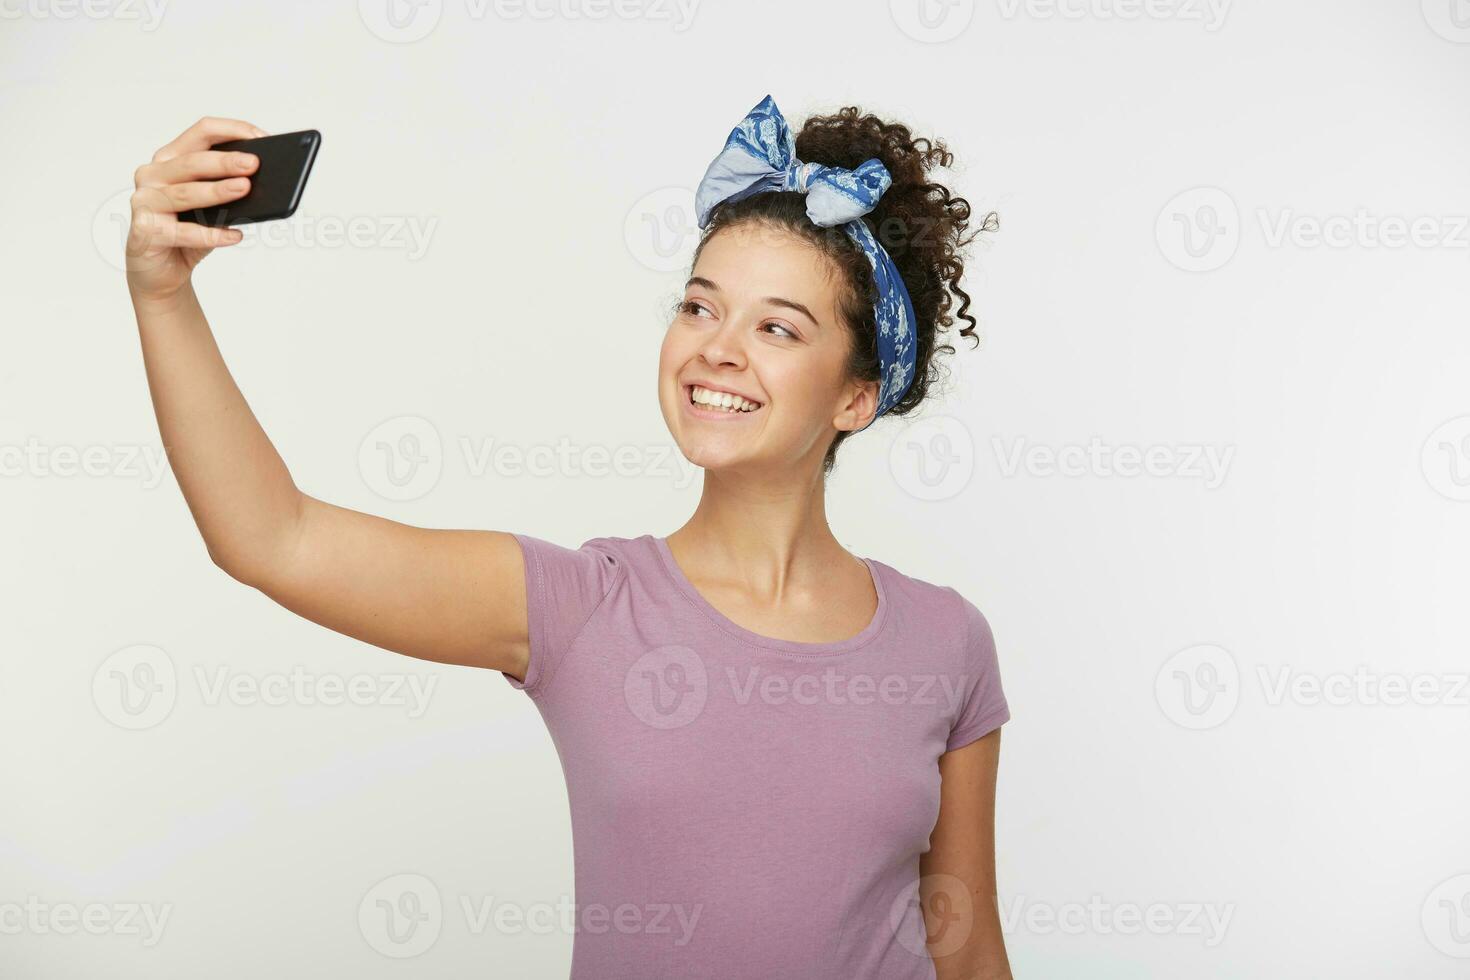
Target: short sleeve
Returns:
[[564, 586], [984, 707]]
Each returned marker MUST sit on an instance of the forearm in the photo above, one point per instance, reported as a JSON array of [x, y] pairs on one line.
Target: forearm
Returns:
[[238, 489], [981, 954]]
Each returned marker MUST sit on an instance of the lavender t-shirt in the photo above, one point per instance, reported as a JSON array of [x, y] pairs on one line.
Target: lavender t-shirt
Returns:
[[744, 806]]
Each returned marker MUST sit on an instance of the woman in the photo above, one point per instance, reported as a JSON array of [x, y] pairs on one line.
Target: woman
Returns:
[[780, 757]]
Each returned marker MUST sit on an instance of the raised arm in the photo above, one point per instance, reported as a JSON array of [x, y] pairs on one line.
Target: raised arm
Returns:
[[452, 596]]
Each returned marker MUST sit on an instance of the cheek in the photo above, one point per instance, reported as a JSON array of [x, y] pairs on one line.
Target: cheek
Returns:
[[669, 361], [798, 388]]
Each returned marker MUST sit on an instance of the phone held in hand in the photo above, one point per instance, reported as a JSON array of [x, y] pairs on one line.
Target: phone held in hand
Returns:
[[275, 186]]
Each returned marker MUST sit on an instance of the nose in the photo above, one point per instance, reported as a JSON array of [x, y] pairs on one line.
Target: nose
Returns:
[[724, 346]]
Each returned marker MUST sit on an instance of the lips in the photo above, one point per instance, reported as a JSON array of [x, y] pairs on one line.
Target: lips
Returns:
[[718, 405], [721, 400]]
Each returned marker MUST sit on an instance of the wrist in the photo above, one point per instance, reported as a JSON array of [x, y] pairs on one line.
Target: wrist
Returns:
[[153, 304]]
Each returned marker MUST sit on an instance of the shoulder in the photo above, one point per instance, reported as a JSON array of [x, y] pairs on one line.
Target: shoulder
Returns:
[[939, 607]]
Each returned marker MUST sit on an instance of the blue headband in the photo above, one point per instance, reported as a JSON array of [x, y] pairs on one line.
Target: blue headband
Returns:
[[760, 155]]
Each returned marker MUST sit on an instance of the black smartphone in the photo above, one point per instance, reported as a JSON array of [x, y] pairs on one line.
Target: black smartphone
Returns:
[[275, 186]]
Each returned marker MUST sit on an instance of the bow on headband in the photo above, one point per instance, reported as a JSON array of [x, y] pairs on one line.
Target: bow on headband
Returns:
[[759, 156]]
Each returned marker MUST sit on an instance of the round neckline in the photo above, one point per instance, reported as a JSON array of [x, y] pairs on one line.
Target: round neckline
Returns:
[[797, 648]]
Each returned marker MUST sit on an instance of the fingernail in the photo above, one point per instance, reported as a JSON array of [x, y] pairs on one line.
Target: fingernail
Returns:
[[260, 132]]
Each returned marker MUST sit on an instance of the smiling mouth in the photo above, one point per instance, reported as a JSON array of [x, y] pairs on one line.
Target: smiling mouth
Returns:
[[720, 401]]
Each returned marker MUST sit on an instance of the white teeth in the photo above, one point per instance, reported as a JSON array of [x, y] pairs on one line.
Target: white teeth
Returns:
[[722, 400]]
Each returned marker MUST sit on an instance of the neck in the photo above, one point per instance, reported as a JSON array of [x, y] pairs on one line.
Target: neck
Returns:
[[765, 534]]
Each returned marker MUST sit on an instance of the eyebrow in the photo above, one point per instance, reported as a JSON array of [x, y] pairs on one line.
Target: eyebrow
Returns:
[[773, 300]]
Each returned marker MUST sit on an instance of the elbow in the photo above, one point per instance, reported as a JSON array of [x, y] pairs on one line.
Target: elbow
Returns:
[[232, 564]]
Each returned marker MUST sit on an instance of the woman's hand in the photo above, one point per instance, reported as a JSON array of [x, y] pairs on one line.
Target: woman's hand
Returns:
[[162, 251]]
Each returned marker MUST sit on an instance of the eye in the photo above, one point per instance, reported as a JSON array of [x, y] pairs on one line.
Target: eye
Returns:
[[693, 307]]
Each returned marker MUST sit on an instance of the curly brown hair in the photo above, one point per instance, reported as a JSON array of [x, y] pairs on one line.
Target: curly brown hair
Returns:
[[919, 222]]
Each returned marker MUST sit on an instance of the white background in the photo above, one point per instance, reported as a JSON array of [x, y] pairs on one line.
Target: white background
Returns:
[[1159, 172]]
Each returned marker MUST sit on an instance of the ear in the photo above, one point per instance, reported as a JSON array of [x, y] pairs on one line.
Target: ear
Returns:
[[857, 411]]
